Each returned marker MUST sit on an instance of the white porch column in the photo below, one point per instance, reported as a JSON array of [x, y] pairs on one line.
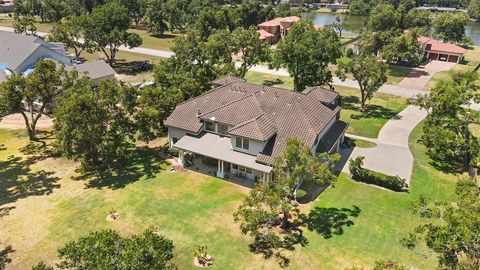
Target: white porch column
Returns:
[[181, 161], [220, 171]]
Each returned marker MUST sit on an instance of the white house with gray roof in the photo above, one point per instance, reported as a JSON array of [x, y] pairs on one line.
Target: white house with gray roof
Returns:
[[241, 127], [21, 52]]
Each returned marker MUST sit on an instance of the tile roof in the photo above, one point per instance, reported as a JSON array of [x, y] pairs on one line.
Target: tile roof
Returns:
[[264, 34], [227, 79], [321, 94], [279, 20], [257, 112], [437, 45]]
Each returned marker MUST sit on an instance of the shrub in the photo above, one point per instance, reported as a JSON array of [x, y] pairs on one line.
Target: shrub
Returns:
[[302, 195], [361, 174], [349, 52]]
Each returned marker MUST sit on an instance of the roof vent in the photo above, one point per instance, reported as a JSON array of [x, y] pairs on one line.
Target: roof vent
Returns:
[[289, 104], [276, 95], [198, 112], [263, 89]]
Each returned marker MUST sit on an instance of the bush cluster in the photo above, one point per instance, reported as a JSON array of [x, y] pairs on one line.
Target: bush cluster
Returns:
[[361, 174]]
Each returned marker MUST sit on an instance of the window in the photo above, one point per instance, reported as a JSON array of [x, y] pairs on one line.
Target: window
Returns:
[[242, 143], [238, 142], [174, 140], [209, 126], [235, 166], [222, 129], [249, 171], [246, 144]]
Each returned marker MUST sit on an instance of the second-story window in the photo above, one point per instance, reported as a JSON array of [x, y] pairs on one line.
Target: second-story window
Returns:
[[222, 129], [242, 143], [209, 126]]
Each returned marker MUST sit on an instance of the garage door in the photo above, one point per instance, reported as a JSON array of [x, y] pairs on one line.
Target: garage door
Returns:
[[433, 56], [453, 58]]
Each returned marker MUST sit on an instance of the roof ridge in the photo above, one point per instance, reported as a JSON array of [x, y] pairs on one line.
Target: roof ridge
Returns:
[[246, 122], [228, 104], [203, 94]]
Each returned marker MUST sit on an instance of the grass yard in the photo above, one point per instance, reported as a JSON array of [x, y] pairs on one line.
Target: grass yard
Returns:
[[153, 42], [378, 111], [41, 26], [266, 79], [397, 74], [44, 205]]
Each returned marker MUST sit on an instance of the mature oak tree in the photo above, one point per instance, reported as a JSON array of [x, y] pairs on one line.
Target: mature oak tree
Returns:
[[106, 29], [96, 125], [32, 95], [368, 71], [107, 249], [453, 230], [447, 128], [306, 54], [270, 213], [70, 31], [251, 49]]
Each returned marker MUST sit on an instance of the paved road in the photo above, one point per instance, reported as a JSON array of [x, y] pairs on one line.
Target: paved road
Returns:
[[392, 154], [420, 76]]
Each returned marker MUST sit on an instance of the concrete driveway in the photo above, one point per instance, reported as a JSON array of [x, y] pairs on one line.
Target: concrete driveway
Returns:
[[392, 154], [420, 76]]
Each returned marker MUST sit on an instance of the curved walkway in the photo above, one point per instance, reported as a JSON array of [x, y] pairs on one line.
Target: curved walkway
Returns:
[[392, 154]]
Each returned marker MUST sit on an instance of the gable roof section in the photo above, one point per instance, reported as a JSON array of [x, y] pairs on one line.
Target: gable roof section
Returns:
[[260, 128], [321, 94], [93, 70]]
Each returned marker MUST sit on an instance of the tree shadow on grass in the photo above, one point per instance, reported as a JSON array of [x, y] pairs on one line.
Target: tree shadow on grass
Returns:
[[331, 221], [142, 162], [4, 258], [19, 180], [371, 110], [131, 67], [276, 81]]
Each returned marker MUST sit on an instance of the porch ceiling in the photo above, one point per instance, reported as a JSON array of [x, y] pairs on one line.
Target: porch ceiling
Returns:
[[218, 147]]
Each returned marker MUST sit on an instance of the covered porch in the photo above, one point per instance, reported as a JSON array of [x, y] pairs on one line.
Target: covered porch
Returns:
[[212, 153]]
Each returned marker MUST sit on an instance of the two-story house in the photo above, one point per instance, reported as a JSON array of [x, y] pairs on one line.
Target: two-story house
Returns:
[[244, 126]]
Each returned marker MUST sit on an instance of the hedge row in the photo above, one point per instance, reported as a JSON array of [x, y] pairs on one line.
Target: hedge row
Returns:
[[361, 174]]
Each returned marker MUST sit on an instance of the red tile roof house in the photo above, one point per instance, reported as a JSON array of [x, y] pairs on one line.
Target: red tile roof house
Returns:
[[278, 28], [437, 50], [240, 127]]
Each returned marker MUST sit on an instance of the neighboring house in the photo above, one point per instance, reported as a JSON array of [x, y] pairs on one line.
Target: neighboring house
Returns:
[[242, 127], [96, 70], [6, 6], [21, 52], [276, 29], [433, 50], [438, 50]]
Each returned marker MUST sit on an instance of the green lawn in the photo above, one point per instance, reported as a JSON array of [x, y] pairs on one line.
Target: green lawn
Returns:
[[448, 74], [378, 111], [164, 42], [266, 79], [350, 224], [397, 74], [41, 26]]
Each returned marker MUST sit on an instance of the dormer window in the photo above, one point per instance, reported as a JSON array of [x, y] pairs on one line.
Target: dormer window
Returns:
[[209, 126], [242, 143], [222, 129]]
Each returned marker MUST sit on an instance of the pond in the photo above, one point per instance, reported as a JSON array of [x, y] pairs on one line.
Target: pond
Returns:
[[355, 24]]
